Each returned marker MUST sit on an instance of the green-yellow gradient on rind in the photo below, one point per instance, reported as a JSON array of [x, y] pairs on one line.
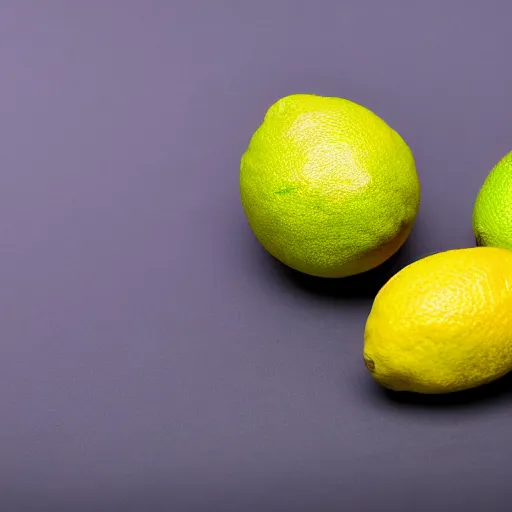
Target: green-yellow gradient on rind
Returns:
[[492, 212], [327, 186]]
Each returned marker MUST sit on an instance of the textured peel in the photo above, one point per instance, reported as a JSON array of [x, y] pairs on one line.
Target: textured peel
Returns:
[[327, 186], [492, 212], [443, 323]]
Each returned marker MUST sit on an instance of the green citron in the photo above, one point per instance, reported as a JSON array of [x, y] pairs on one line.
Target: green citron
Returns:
[[492, 212], [327, 186]]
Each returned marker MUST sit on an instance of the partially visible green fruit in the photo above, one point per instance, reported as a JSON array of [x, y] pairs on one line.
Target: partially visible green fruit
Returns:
[[492, 212], [327, 186]]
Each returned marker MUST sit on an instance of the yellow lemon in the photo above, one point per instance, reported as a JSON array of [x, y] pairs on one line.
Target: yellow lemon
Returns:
[[443, 323], [327, 186]]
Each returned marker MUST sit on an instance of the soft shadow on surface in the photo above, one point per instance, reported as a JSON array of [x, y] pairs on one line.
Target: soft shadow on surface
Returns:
[[499, 390], [362, 286]]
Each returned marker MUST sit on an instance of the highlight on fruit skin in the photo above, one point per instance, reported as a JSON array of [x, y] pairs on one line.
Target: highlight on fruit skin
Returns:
[[443, 323], [328, 187], [492, 211]]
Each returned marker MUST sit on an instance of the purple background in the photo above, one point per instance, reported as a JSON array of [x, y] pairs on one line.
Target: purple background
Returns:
[[153, 356]]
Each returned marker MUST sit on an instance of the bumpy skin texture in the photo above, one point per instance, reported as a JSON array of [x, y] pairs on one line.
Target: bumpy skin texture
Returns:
[[492, 213], [328, 187], [443, 323]]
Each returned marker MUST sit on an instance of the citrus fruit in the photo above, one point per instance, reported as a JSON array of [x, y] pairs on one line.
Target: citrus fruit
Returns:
[[443, 323], [492, 212], [327, 186]]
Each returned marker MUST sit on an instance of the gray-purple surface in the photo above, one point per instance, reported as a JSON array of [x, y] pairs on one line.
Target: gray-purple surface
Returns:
[[153, 356]]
